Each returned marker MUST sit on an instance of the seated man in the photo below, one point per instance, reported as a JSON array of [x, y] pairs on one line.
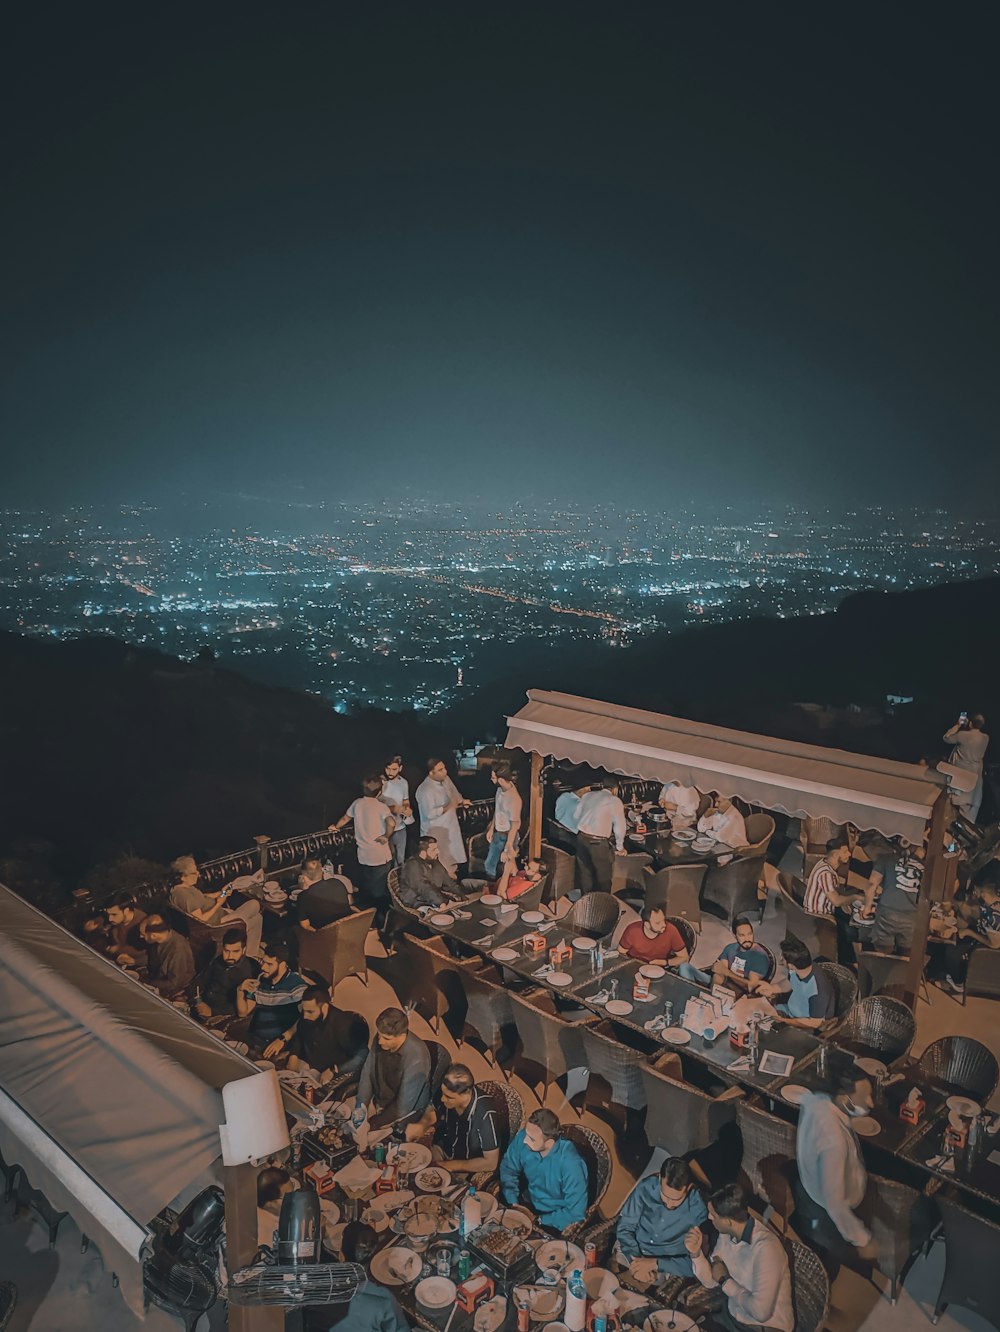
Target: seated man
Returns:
[[373, 1308], [654, 939], [271, 1001], [809, 997], [423, 880], [551, 1170], [188, 895], [466, 1130], [748, 1263], [654, 1220], [741, 965], [680, 803], [893, 887], [272, 1185], [223, 976], [128, 947], [321, 899], [95, 932], [824, 891], [170, 962], [396, 1079], [328, 1040], [981, 930], [723, 821]]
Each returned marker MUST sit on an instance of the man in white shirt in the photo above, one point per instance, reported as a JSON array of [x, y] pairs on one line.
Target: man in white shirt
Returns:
[[723, 821], [600, 836], [396, 794], [568, 808], [373, 824], [505, 826], [681, 803], [438, 801], [748, 1263], [832, 1180]]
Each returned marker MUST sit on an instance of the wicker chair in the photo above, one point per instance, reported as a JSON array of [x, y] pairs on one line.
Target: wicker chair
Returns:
[[595, 914], [614, 1066], [338, 949], [810, 1289], [883, 973], [440, 1064], [879, 1027], [488, 1013], [682, 1119], [845, 986], [548, 1046], [961, 1066], [760, 830], [686, 931], [628, 872], [509, 1106], [559, 865], [982, 979], [901, 1224], [768, 1157], [813, 837], [597, 1159], [971, 1249], [818, 933], [425, 977], [732, 888], [676, 889], [8, 1303]]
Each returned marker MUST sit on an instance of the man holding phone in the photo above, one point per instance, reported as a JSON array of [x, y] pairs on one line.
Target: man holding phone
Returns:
[[211, 908], [969, 741]]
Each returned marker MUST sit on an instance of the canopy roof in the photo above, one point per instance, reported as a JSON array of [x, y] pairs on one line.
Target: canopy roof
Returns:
[[797, 779], [125, 1084]]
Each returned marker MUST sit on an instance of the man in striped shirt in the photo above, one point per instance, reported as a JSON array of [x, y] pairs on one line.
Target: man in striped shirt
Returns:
[[823, 891], [465, 1122]]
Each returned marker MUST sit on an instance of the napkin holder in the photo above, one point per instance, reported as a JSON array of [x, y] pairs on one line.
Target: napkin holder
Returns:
[[388, 1180], [912, 1107], [534, 942], [473, 1292], [320, 1176], [560, 953]]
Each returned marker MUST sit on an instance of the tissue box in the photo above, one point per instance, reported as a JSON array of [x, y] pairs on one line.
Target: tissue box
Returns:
[[388, 1180], [473, 1292], [320, 1176], [535, 942], [912, 1112], [561, 953]]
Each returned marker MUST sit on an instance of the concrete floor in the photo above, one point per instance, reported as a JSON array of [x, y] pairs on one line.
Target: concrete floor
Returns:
[[65, 1291]]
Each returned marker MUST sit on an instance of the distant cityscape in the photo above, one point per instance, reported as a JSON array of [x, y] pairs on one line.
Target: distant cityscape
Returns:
[[406, 605]]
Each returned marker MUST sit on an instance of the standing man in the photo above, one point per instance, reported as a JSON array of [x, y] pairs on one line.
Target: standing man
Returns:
[[896, 905], [832, 1180], [969, 740], [373, 824], [439, 800], [600, 836], [823, 891], [505, 826], [396, 794]]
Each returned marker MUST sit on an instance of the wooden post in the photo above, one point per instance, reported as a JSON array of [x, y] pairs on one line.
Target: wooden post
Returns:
[[240, 1184], [931, 890], [535, 808]]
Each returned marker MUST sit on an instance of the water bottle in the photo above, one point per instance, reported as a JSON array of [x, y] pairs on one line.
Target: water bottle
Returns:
[[472, 1213], [358, 1115], [575, 1314], [753, 1041]]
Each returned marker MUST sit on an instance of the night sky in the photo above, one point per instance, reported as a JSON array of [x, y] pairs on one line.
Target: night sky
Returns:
[[661, 252]]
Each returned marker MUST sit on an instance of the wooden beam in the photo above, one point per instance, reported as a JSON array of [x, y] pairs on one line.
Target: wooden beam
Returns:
[[240, 1184], [931, 890], [535, 808]]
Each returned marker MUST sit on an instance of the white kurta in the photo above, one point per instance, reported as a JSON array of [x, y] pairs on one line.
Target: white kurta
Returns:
[[436, 820]]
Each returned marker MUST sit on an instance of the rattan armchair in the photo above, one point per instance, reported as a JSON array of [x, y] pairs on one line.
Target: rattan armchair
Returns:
[[810, 1289], [845, 987], [982, 979], [971, 1252], [732, 889], [880, 1027], [338, 949], [614, 1070], [510, 1116], [560, 868], [676, 889], [760, 830], [768, 1158], [680, 1118], [488, 1014], [901, 1223], [548, 1047], [818, 933], [595, 914], [961, 1066], [597, 1159]]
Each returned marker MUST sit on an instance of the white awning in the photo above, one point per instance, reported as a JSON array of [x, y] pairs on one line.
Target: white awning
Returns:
[[894, 798]]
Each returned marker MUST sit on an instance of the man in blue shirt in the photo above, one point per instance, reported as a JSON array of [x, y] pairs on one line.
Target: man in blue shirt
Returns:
[[741, 965], [551, 1170], [809, 997], [657, 1214]]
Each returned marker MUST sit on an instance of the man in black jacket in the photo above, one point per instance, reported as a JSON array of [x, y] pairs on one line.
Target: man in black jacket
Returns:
[[223, 977], [423, 880]]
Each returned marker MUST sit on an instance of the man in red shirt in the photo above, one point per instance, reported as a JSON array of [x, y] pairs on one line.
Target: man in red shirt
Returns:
[[654, 939]]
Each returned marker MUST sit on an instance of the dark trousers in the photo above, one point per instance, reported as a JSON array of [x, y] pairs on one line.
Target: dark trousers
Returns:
[[955, 958], [816, 1229], [595, 863]]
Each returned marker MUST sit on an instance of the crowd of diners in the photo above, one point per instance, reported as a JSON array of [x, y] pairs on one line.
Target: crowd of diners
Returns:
[[674, 1230]]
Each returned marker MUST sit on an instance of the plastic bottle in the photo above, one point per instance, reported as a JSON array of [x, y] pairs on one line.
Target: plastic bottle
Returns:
[[464, 1265], [472, 1213], [598, 956], [575, 1314]]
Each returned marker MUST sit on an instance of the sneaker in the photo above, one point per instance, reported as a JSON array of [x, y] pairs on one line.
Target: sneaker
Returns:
[[949, 984]]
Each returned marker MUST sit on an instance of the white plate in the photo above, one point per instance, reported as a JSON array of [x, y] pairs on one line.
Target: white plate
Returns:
[[504, 954], [405, 1266], [866, 1127], [793, 1093], [491, 899], [410, 1156], [375, 1216], [963, 1106], [584, 944], [665, 1319], [559, 1256], [532, 917], [873, 1067], [652, 972], [685, 835], [558, 979], [435, 1292], [389, 1202], [424, 1179], [618, 1007], [675, 1036], [442, 919]]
